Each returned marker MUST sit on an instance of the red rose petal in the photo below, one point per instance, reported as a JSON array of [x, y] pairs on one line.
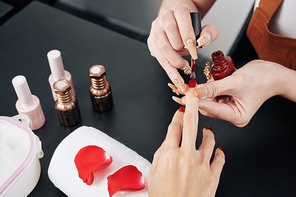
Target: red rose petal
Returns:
[[128, 178], [89, 160]]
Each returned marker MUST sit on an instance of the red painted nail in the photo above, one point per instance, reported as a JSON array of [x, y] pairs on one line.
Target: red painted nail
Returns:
[[128, 178], [192, 84], [221, 149], [182, 109], [89, 160], [209, 128]]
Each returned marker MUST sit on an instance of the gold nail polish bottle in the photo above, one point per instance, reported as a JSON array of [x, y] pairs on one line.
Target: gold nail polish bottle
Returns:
[[66, 104], [100, 90]]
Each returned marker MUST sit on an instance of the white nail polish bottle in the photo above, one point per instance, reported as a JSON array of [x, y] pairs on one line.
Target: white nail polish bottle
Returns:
[[57, 71], [27, 103]]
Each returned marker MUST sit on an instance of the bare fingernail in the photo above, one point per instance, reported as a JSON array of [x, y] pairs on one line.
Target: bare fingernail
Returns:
[[179, 85], [187, 69], [204, 39], [201, 92], [191, 48], [178, 100], [175, 89]]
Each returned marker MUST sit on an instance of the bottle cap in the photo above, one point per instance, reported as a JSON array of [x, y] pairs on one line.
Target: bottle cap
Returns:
[[97, 71], [56, 64], [61, 84], [22, 90], [196, 23]]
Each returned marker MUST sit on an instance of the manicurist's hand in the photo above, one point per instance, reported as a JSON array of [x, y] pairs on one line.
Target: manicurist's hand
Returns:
[[172, 29], [178, 169], [249, 87]]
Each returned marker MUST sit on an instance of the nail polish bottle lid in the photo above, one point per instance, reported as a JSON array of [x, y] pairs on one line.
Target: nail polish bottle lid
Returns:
[[196, 23], [22, 90], [97, 71], [61, 84], [56, 64]]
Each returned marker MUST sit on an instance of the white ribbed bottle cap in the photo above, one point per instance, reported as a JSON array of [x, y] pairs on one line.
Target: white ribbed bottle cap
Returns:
[[22, 90], [56, 64]]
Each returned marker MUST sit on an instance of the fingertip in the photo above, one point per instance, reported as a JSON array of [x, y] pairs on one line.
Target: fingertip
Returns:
[[192, 84], [211, 32], [220, 152], [209, 128]]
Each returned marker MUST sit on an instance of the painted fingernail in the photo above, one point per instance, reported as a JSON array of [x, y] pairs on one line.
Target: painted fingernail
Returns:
[[192, 83], [208, 71], [178, 100], [174, 89], [204, 39], [221, 149], [182, 109], [179, 85], [187, 69], [201, 92], [191, 48], [209, 128]]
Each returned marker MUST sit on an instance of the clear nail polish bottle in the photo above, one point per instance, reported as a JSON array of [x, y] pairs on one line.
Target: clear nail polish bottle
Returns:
[[27, 103], [57, 71]]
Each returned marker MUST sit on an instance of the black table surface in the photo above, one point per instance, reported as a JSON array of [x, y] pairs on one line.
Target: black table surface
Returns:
[[4, 8], [260, 158]]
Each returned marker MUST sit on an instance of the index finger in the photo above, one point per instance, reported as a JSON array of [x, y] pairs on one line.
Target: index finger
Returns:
[[190, 120], [182, 15]]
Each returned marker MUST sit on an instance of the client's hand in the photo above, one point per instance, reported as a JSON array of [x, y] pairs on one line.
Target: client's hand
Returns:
[[178, 169]]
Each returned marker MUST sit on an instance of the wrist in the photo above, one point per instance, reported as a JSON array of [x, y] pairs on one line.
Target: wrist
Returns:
[[287, 83]]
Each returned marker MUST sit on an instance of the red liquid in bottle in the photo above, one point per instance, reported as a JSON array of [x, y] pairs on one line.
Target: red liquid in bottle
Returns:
[[193, 65], [223, 65]]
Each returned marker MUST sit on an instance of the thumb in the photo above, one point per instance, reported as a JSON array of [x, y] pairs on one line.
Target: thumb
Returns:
[[212, 89]]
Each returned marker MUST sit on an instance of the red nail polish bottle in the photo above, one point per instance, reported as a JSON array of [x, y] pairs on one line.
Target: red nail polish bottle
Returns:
[[223, 65]]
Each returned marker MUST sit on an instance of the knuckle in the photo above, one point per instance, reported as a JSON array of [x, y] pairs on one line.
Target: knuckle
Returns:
[[157, 154], [163, 44], [163, 11], [203, 168], [181, 7], [209, 140], [175, 126], [164, 62], [187, 160], [169, 26], [214, 87], [190, 118]]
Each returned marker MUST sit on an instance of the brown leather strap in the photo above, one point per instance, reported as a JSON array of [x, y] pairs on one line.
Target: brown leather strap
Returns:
[[269, 7], [269, 46]]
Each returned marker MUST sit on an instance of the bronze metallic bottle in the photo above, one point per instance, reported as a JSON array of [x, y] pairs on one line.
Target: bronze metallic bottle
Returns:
[[100, 90], [66, 104]]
